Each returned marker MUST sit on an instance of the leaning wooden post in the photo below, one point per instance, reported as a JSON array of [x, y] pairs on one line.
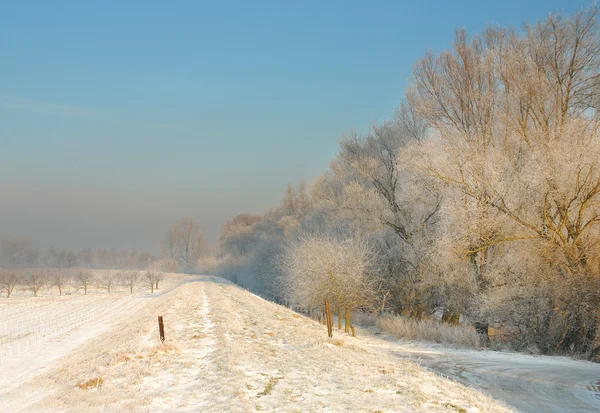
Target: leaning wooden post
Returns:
[[329, 318], [161, 328]]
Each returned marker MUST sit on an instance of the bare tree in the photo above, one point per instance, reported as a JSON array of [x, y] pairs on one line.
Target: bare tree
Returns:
[[185, 242], [35, 280], [9, 279], [109, 280], [60, 278], [149, 279], [83, 278], [130, 279]]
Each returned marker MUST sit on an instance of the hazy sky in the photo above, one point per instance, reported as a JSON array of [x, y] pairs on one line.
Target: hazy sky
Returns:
[[116, 118]]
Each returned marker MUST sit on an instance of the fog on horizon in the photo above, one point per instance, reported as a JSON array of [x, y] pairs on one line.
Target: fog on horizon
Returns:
[[116, 120]]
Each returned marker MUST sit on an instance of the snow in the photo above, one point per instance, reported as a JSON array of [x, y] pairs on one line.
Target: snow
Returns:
[[227, 350], [529, 383]]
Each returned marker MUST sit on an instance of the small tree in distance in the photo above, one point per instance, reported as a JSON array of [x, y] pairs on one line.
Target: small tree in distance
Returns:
[[83, 278], [35, 280], [60, 278], [109, 281], [158, 277], [150, 280], [130, 279], [9, 278]]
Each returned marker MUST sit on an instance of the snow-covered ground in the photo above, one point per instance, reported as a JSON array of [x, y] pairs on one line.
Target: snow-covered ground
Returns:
[[529, 383], [37, 335], [228, 350]]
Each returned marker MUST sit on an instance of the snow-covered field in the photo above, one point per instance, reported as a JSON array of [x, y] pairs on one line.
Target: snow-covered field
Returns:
[[226, 350]]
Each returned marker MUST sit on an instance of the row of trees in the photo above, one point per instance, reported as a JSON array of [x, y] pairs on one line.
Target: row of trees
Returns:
[[479, 202], [22, 253], [35, 280]]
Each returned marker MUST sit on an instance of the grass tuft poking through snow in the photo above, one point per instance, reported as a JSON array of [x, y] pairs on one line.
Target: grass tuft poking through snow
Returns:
[[269, 387]]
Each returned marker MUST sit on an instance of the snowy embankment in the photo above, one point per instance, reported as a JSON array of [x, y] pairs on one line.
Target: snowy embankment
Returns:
[[230, 351]]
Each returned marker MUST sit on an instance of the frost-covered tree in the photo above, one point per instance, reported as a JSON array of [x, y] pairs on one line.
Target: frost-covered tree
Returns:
[[185, 242], [513, 136], [320, 268], [237, 235]]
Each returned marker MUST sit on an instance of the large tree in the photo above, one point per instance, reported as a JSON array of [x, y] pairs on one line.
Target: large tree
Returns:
[[185, 242], [514, 138]]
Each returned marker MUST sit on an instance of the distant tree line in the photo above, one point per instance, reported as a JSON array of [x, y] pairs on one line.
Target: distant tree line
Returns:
[[22, 253], [35, 280]]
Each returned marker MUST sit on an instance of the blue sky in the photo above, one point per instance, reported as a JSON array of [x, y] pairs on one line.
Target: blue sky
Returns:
[[118, 117]]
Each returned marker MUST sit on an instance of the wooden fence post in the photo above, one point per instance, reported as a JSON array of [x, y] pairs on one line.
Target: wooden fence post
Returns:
[[161, 328]]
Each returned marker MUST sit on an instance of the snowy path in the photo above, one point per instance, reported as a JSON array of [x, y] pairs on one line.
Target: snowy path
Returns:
[[228, 350], [529, 383]]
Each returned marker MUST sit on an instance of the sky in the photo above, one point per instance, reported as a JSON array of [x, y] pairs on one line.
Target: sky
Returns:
[[119, 117]]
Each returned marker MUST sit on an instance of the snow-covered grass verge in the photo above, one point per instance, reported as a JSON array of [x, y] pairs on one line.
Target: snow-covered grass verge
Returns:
[[429, 330], [230, 351]]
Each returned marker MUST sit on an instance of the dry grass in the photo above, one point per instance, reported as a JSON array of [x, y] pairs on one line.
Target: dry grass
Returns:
[[430, 330], [338, 342], [93, 383], [269, 387]]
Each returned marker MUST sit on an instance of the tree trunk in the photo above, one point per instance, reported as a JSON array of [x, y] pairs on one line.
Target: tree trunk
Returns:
[[339, 315], [349, 325], [329, 319], [347, 321]]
